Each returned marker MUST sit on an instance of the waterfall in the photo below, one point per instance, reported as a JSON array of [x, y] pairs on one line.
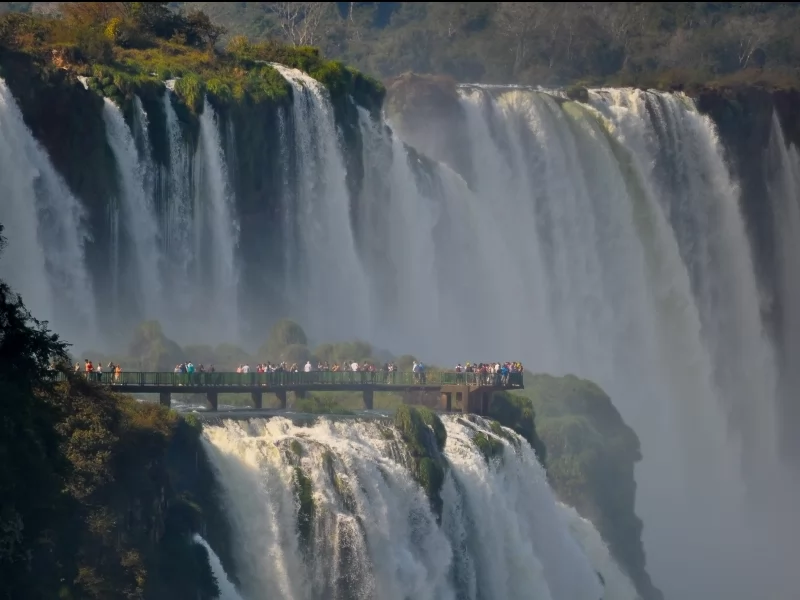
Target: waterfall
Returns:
[[698, 194], [611, 232], [44, 225], [215, 229], [398, 225], [138, 213], [227, 591], [177, 213], [783, 163], [333, 281], [365, 528], [601, 238], [617, 584]]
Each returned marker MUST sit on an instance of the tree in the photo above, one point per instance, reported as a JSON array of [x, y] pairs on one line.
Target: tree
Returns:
[[622, 20], [749, 33], [284, 333], [520, 21], [300, 21], [29, 475], [151, 350], [294, 354], [200, 31], [92, 14]]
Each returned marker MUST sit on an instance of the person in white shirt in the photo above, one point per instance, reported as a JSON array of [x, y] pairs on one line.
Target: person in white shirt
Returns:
[[245, 368], [307, 368], [354, 366]]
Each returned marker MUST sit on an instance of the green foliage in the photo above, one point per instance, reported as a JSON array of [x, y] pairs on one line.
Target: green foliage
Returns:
[[202, 354], [549, 43], [284, 333], [219, 90], [31, 466], [193, 422], [228, 357], [146, 43], [151, 350], [405, 362], [294, 354], [340, 80], [516, 413], [89, 507], [356, 350], [191, 89]]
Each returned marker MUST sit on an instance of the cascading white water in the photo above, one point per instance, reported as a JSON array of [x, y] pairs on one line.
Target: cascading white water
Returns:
[[783, 164], [601, 238], [698, 194], [372, 532], [617, 584], [397, 222], [177, 214], [227, 591], [43, 222], [596, 266], [141, 135], [519, 545], [138, 212], [216, 230], [333, 281]]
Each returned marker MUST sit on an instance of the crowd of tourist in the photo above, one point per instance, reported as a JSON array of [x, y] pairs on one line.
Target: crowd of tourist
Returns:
[[95, 370], [495, 373]]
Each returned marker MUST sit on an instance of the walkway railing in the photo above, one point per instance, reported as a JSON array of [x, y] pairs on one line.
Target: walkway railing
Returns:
[[314, 378]]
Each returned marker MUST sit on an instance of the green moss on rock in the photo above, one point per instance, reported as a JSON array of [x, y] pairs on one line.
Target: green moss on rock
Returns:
[[432, 420], [517, 413], [296, 447], [342, 487], [305, 505], [424, 435], [578, 93], [490, 446]]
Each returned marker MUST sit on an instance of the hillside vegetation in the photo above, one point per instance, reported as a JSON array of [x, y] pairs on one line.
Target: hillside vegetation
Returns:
[[590, 459], [660, 44], [99, 494], [646, 43], [127, 48]]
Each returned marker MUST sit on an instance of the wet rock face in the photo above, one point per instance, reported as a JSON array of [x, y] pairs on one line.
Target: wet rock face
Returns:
[[427, 112], [743, 117], [591, 454]]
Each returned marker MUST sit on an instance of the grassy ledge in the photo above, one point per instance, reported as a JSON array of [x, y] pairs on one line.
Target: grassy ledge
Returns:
[[125, 50]]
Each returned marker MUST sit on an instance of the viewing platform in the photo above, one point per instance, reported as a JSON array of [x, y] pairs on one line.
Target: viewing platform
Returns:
[[461, 392]]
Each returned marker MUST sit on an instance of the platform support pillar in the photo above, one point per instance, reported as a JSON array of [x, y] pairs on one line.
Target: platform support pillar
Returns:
[[368, 399]]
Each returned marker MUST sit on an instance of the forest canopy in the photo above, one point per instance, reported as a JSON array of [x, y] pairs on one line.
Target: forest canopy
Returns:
[[660, 44], [537, 42]]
